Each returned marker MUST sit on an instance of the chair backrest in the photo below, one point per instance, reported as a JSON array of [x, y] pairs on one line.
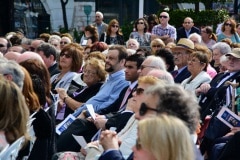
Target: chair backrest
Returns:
[[11, 152]]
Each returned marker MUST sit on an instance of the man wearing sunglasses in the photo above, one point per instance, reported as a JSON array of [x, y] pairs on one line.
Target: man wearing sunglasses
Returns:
[[158, 99], [164, 31]]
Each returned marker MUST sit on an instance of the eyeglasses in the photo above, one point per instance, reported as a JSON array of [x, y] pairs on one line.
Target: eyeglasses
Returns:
[[138, 90], [140, 23], [144, 108], [193, 61], [228, 24], [89, 72], [115, 26], [163, 16], [55, 45], [66, 55], [158, 46], [63, 42], [31, 48], [138, 144], [187, 22], [2, 45], [143, 66]]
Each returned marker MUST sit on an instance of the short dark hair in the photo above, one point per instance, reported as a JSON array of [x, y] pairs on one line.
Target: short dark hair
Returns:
[[136, 58], [167, 56], [47, 50], [176, 101]]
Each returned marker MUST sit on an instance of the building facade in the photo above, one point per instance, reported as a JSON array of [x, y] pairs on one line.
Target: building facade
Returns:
[[38, 16]]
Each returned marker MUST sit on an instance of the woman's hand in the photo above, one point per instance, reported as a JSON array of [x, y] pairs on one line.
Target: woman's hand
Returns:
[[62, 93]]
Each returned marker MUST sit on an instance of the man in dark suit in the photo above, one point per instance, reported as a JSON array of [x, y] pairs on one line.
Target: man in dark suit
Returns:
[[181, 53], [87, 128], [187, 29], [215, 95], [49, 56]]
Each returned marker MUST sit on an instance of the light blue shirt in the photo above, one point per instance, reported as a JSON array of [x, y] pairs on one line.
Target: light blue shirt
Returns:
[[107, 94]]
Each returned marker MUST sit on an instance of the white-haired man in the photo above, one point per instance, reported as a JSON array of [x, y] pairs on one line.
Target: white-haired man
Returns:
[[101, 26]]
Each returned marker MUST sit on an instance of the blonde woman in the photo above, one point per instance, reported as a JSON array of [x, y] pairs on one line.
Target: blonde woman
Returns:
[[156, 44], [163, 142]]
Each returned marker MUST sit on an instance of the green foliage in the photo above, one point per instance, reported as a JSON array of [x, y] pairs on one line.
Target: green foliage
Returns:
[[127, 28], [207, 17]]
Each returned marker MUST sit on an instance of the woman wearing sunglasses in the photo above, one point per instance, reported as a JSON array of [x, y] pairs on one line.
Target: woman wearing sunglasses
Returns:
[[141, 34], [70, 62], [163, 142], [229, 30], [113, 34]]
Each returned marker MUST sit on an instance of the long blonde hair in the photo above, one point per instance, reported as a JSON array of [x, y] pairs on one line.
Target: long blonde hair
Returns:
[[166, 137]]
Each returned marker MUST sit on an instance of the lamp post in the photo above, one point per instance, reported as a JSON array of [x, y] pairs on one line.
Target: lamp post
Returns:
[[87, 11]]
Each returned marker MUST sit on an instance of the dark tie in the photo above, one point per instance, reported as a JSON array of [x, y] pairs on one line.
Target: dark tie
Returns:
[[175, 73]]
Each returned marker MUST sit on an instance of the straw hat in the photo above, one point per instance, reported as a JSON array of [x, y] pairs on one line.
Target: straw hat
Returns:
[[185, 44], [235, 53]]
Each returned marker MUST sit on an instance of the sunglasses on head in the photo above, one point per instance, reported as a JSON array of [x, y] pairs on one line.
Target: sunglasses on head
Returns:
[[66, 55], [138, 90], [144, 108], [163, 16]]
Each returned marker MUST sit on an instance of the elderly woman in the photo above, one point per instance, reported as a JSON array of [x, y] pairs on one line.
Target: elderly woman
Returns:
[[229, 30], [156, 44], [113, 34], [64, 40], [141, 34], [94, 75], [151, 139], [197, 66]]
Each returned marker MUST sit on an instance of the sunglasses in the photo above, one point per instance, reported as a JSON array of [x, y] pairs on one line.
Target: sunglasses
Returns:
[[140, 23], [115, 26], [63, 42], [138, 144], [66, 55], [138, 90], [144, 108], [158, 46], [2, 45], [228, 24], [163, 16]]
